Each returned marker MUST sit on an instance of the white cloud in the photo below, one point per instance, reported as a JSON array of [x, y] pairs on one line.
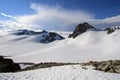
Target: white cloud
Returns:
[[113, 19], [9, 16], [56, 18], [14, 25], [107, 22]]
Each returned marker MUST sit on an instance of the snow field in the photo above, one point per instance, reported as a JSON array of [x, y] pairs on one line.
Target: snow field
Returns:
[[70, 72]]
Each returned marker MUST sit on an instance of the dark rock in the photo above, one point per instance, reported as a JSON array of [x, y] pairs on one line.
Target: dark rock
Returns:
[[47, 65], [44, 36], [112, 66], [117, 69], [7, 65], [111, 30], [104, 66], [81, 28], [47, 37]]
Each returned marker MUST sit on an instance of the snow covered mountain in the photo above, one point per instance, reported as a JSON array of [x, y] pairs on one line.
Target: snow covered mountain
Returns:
[[81, 28], [88, 45], [43, 36], [27, 46]]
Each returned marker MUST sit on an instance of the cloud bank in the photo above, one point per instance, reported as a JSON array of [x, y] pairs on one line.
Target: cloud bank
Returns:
[[56, 18]]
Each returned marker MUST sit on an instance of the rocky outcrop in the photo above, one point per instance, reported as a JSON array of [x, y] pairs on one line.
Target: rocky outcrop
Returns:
[[7, 65], [43, 36], [112, 66], [47, 37], [47, 65], [111, 30], [81, 28]]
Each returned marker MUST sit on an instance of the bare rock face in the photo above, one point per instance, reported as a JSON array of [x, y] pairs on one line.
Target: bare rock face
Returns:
[[47, 37], [46, 65], [109, 66], [81, 28], [111, 30], [112, 66], [7, 65]]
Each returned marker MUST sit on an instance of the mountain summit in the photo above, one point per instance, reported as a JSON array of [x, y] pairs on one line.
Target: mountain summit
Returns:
[[81, 28]]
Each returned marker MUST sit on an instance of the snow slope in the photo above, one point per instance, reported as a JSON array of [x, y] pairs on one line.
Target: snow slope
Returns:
[[91, 45], [71, 72]]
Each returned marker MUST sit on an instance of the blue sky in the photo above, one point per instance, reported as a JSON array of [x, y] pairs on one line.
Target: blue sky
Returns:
[[91, 10], [101, 8]]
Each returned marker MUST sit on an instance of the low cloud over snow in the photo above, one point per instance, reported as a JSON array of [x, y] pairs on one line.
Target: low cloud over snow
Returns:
[[56, 18]]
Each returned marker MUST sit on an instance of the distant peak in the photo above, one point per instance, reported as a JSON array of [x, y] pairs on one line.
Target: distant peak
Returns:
[[111, 29], [81, 28], [44, 31]]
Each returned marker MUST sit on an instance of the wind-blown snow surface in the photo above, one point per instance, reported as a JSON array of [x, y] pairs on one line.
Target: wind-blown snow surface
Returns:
[[91, 45], [61, 73]]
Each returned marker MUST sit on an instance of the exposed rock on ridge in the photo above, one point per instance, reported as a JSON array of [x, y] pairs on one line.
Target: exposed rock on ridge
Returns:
[[81, 28]]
